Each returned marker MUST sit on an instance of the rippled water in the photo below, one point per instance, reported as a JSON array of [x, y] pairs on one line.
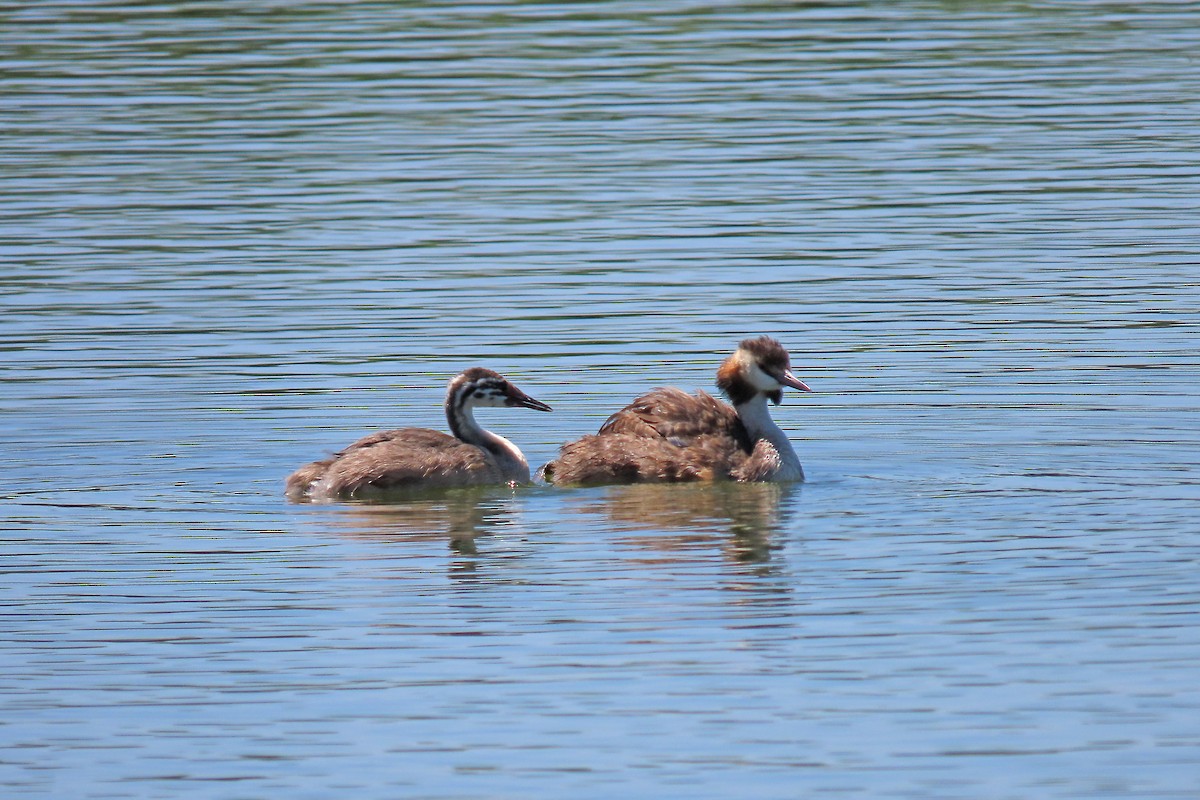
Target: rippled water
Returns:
[[237, 236]]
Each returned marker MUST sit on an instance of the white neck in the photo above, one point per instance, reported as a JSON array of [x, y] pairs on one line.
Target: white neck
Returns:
[[508, 456], [756, 416]]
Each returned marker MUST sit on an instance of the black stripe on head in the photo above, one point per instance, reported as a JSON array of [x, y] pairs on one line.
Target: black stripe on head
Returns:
[[463, 385]]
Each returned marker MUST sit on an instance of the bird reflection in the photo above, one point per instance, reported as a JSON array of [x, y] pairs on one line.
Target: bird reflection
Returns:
[[743, 517], [458, 516], [742, 520]]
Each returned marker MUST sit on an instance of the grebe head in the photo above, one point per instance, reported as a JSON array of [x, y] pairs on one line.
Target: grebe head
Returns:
[[760, 366], [483, 387]]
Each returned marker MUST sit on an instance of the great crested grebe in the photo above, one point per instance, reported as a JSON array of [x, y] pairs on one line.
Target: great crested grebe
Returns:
[[670, 435], [420, 457]]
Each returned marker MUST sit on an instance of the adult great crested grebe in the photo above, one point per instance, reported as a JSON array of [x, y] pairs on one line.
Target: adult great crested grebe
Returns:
[[424, 458], [670, 435]]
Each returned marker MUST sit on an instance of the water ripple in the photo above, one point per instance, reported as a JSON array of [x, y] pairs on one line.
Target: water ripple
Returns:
[[235, 239]]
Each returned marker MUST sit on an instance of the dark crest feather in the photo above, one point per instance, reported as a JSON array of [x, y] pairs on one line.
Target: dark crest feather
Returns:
[[769, 353], [478, 374], [732, 386]]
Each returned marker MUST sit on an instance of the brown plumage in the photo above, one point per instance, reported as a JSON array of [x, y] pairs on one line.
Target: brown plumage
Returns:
[[424, 458], [669, 435]]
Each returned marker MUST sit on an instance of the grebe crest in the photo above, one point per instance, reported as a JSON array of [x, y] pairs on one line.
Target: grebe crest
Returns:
[[759, 366]]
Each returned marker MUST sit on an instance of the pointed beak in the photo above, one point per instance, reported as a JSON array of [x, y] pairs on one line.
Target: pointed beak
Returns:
[[788, 379], [518, 398], [536, 405]]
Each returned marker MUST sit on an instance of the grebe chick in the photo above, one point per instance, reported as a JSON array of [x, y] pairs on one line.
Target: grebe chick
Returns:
[[670, 435], [420, 457]]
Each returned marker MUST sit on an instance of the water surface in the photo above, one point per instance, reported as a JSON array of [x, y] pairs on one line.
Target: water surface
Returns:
[[235, 239]]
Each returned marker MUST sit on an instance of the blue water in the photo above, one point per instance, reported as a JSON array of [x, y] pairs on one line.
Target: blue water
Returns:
[[236, 239]]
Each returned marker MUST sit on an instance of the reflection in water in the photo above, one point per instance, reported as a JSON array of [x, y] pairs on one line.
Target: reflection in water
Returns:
[[743, 518], [459, 515]]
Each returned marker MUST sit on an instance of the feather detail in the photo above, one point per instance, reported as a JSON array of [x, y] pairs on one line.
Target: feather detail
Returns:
[[666, 435], [396, 459], [674, 414]]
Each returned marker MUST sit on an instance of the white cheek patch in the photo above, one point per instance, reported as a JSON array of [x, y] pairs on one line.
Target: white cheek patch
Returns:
[[493, 399], [761, 380], [480, 397]]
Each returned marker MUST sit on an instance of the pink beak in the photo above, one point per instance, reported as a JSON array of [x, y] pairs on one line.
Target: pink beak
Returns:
[[788, 379]]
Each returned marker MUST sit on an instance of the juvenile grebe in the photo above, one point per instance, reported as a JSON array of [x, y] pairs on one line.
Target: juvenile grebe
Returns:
[[669, 435], [420, 457]]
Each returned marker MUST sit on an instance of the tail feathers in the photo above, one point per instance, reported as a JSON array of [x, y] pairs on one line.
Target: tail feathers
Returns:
[[300, 483]]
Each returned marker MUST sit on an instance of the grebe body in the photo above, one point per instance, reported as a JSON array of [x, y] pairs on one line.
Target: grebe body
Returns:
[[669, 435], [424, 458]]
